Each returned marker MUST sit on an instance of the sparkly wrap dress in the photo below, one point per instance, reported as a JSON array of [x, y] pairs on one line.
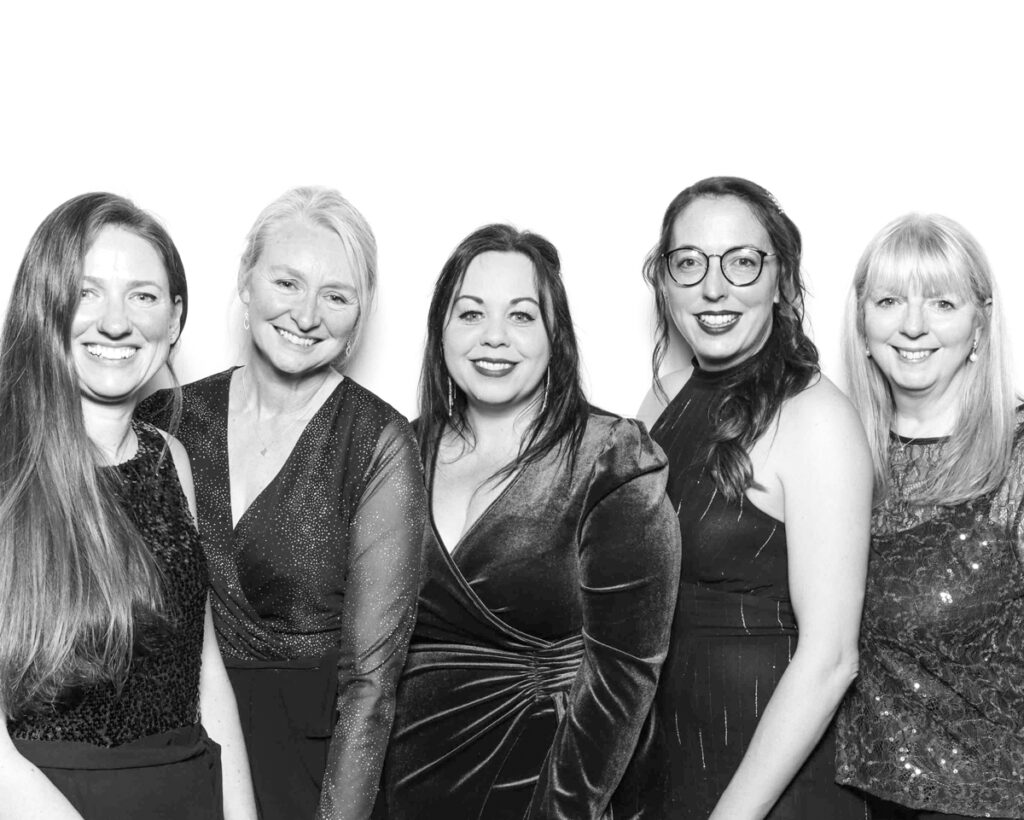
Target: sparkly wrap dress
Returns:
[[733, 637], [539, 640], [313, 593], [141, 752], [935, 719]]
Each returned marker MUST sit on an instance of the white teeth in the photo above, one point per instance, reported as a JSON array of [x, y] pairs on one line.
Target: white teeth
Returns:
[[914, 355], [493, 365], [717, 319], [295, 340], [105, 352]]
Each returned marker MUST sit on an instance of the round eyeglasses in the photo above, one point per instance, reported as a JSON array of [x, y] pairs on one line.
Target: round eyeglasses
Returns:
[[740, 266]]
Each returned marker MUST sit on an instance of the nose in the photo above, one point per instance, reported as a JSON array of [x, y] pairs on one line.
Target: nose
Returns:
[[306, 313], [714, 285], [494, 332], [913, 325], [114, 321]]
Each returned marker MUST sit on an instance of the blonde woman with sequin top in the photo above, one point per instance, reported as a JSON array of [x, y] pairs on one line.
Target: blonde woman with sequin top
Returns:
[[934, 726]]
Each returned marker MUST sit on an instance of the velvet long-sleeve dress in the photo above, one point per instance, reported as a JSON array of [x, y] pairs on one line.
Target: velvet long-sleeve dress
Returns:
[[313, 592], [735, 633], [935, 719], [138, 751], [539, 640]]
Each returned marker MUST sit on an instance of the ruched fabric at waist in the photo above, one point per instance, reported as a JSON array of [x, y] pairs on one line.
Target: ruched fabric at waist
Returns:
[[704, 612], [541, 671]]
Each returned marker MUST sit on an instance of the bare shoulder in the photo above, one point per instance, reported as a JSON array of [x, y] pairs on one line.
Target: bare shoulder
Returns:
[[653, 404], [820, 423]]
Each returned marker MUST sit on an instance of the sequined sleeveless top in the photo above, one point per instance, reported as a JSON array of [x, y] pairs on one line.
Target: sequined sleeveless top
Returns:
[[935, 719], [162, 688]]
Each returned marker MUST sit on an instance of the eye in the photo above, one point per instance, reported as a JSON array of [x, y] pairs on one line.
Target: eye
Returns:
[[885, 301], [88, 293], [944, 304], [146, 297], [286, 284], [521, 317], [470, 315], [339, 299]]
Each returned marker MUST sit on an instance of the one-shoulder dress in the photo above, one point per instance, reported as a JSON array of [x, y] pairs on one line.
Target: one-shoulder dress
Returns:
[[141, 752], [539, 640], [313, 592], [733, 637]]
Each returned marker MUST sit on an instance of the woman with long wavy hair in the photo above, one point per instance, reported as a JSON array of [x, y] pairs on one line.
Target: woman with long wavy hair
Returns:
[[552, 566], [107, 653], [771, 481], [934, 726]]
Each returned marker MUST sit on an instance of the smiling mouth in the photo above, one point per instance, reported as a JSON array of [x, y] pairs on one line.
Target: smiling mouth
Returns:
[[913, 355], [717, 322], [493, 367], [299, 341], [111, 353]]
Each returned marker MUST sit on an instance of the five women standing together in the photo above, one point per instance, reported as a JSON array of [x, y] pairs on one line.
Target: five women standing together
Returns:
[[586, 643]]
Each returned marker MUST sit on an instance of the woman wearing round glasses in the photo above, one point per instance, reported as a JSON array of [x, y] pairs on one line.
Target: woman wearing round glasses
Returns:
[[771, 480], [935, 722]]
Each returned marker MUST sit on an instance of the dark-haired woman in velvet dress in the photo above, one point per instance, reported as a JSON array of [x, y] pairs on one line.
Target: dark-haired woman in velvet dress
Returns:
[[771, 481], [552, 573]]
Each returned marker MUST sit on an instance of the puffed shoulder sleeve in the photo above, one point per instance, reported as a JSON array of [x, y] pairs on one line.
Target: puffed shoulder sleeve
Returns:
[[384, 574], [629, 555]]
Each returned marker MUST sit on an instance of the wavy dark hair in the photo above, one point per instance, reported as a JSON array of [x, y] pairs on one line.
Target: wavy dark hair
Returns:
[[563, 419], [75, 577], [754, 392]]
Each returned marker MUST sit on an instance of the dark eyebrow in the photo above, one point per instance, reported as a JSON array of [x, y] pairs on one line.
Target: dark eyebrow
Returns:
[[526, 299], [480, 301], [134, 283], [476, 299], [288, 269]]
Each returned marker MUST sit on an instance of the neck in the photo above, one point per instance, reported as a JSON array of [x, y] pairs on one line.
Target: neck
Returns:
[[923, 417], [500, 428], [109, 427], [273, 393]]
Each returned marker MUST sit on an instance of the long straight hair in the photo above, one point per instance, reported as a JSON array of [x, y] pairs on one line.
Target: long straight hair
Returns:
[[753, 393], [936, 256], [75, 577], [562, 420]]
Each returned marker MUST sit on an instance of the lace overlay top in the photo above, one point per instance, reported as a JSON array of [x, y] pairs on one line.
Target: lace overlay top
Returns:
[[936, 718], [162, 689]]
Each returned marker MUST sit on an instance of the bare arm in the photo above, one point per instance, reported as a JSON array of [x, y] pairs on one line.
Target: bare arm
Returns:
[[824, 469], [216, 697], [28, 794]]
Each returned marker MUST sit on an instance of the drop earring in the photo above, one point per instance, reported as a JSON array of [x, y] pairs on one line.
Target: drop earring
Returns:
[[348, 347], [867, 351], [245, 320], [973, 355], [451, 396], [544, 398]]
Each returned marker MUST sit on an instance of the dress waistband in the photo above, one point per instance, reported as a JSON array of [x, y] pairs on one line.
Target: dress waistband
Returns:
[[153, 750]]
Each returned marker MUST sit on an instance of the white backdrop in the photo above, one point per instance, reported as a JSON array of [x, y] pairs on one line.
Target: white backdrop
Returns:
[[577, 120]]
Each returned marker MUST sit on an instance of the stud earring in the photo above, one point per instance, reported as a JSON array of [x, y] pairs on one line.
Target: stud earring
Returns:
[[867, 351], [245, 320]]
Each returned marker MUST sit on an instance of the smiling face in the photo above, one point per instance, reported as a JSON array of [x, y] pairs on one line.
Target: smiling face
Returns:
[[126, 320], [921, 343], [301, 297], [495, 343], [723, 324]]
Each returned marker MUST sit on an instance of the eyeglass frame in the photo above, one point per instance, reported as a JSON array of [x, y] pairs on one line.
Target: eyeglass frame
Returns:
[[707, 264]]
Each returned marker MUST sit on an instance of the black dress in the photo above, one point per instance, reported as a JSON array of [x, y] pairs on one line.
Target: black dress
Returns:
[[539, 640], [733, 637], [935, 719], [313, 592], [140, 752]]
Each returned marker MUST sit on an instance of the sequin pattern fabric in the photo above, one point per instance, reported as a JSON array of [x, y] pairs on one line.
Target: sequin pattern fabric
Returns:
[[936, 718], [162, 689]]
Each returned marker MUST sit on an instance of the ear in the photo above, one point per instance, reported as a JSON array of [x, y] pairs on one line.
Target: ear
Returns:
[[175, 327], [244, 291]]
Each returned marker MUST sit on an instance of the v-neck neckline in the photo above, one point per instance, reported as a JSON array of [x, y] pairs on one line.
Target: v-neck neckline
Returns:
[[329, 401], [457, 547]]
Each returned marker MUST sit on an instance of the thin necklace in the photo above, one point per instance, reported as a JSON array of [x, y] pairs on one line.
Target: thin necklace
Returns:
[[286, 433]]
